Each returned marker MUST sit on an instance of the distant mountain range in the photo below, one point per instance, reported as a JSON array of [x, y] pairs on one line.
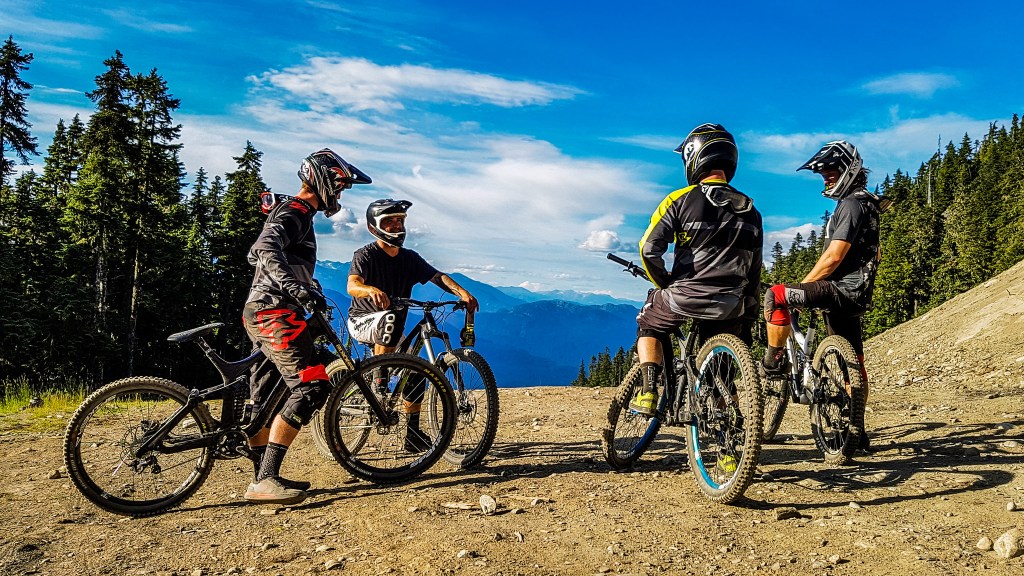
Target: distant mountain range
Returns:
[[528, 338]]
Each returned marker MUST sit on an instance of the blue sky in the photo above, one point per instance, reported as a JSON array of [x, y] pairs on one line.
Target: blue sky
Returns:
[[533, 137]]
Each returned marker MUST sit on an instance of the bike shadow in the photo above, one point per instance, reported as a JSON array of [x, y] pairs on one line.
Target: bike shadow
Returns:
[[961, 458]]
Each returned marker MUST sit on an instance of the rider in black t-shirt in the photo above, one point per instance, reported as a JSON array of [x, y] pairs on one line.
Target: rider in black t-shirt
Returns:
[[842, 280], [384, 269]]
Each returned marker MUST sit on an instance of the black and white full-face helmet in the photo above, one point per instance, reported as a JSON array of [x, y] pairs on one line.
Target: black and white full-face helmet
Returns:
[[328, 175], [378, 210], [708, 147], [842, 157]]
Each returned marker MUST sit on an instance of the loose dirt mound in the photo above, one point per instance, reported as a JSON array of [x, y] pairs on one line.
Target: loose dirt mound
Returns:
[[946, 411]]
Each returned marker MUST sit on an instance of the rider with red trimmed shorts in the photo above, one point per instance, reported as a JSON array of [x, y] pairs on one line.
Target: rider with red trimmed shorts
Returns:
[[843, 278], [274, 316]]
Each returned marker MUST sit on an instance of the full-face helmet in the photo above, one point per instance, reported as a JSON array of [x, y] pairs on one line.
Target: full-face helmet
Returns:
[[842, 157], [378, 210], [328, 175], [708, 147]]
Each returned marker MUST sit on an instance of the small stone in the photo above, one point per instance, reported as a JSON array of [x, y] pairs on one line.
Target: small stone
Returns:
[[834, 558], [519, 536], [267, 546], [487, 504], [984, 544], [1011, 506], [1008, 545], [855, 505], [323, 548], [55, 475], [517, 510], [268, 512], [413, 508], [198, 572], [786, 513], [466, 554], [337, 564]]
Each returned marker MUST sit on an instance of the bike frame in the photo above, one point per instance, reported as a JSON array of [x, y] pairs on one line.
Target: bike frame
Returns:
[[236, 374], [802, 386]]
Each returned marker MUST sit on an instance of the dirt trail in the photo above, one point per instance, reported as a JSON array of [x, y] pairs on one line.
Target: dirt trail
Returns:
[[946, 408]]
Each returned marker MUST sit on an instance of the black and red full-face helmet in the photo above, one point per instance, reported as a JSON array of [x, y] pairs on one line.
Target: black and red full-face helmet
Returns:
[[842, 157], [328, 175], [378, 210], [708, 147]]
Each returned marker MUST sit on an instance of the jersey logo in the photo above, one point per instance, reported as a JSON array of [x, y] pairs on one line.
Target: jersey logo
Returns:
[[299, 206], [281, 326]]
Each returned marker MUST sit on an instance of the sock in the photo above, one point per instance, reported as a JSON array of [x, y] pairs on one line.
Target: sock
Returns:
[[257, 453], [271, 464], [651, 372], [773, 355]]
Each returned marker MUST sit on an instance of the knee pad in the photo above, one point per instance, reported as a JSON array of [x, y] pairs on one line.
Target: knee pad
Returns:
[[776, 310], [307, 397]]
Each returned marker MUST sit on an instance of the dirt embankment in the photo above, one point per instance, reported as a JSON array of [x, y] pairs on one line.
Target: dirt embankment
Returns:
[[946, 410]]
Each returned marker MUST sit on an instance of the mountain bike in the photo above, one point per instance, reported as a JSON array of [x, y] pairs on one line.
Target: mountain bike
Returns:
[[141, 445], [830, 383], [712, 393], [471, 378]]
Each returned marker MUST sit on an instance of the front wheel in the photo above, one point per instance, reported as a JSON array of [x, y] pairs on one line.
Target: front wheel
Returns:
[[723, 439], [627, 435], [399, 444], [103, 436], [476, 396], [837, 410]]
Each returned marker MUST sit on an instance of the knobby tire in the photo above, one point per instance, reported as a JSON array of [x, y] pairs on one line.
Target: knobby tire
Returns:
[[101, 436], [627, 435], [837, 417], [722, 429], [477, 403], [376, 451]]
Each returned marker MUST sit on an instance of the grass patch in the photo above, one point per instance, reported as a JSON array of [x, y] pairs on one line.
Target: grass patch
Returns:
[[25, 409]]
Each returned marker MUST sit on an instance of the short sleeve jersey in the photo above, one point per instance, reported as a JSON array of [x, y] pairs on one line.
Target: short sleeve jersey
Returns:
[[395, 275], [855, 221]]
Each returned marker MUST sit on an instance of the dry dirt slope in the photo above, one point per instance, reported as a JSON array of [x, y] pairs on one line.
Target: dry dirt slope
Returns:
[[947, 409]]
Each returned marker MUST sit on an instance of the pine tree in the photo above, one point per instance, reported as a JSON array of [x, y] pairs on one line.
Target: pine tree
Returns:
[[14, 128], [63, 157], [240, 224], [581, 378]]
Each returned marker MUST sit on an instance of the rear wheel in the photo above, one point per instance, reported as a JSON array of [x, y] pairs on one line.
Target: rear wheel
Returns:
[[627, 435], [476, 396], [837, 412], [392, 447], [724, 438], [105, 432]]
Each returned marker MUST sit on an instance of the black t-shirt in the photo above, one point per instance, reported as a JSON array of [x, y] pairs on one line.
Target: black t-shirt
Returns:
[[395, 275], [855, 221]]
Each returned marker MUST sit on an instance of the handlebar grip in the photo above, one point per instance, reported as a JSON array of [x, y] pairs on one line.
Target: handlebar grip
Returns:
[[618, 260]]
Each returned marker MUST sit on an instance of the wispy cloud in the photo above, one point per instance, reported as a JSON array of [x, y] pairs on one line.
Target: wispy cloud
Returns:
[[649, 141], [902, 144], [357, 84], [917, 84], [134, 19], [786, 237]]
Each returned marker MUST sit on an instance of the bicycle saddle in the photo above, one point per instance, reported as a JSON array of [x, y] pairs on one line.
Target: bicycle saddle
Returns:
[[190, 335]]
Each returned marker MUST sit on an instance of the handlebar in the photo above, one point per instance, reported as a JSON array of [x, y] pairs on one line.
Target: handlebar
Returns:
[[629, 266], [398, 302]]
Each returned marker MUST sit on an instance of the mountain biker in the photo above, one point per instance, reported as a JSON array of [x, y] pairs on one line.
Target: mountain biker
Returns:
[[384, 269], [284, 255], [717, 265], [842, 280]]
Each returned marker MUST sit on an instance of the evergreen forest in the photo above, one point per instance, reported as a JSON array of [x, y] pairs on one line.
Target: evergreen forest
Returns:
[[107, 249]]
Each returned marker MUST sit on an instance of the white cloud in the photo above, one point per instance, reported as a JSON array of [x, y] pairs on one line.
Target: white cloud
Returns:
[[785, 237], [903, 144], [650, 141], [602, 241], [133, 19], [357, 84], [917, 84]]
